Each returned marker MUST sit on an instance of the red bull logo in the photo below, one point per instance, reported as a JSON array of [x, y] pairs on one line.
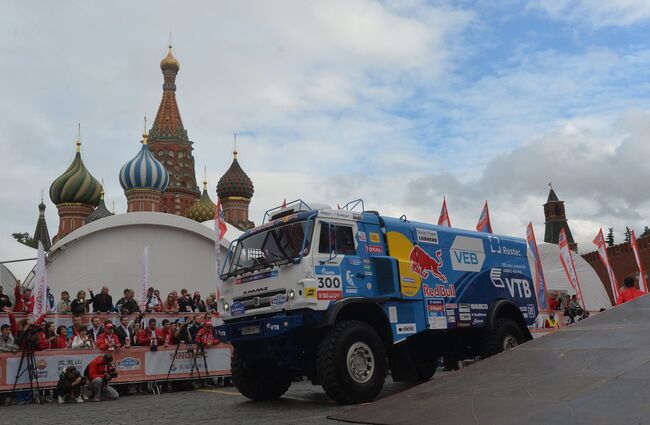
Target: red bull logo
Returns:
[[439, 291], [423, 264]]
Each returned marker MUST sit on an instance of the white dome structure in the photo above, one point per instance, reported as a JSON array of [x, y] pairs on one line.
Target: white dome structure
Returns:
[[593, 291], [109, 252]]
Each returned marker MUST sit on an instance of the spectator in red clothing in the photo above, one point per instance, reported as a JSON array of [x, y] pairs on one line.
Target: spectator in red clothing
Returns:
[[24, 299], [100, 371], [47, 339], [205, 336], [62, 340], [628, 292], [151, 336], [167, 332], [108, 340]]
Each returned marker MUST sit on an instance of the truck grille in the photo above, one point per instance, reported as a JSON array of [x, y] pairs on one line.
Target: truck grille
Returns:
[[255, 301]]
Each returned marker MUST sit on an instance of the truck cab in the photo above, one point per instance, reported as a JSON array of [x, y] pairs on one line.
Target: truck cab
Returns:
[[341, 296]]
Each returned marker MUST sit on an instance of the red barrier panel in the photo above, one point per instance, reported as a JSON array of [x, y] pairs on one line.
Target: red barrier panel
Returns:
[[135, 364], [66, 319]]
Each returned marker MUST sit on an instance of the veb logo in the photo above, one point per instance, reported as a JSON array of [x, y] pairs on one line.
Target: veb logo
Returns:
[[467, 254]]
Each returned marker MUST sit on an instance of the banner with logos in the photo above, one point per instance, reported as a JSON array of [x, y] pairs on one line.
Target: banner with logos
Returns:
[[643, 285], [134, 364], [599, 241], [569, 267], [540, 282]]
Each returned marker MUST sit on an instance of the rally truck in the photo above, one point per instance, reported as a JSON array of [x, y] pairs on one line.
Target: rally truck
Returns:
[[343, 296]]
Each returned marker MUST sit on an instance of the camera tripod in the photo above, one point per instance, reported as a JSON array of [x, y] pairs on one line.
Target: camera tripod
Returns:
[[28, 357], [190, 349]]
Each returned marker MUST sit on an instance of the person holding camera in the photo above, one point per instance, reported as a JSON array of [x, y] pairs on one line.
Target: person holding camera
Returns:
[[100, 372], [205, 337], [70, 385], [81, 340]]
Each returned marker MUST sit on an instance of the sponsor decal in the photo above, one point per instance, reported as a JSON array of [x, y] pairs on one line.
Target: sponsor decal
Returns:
[[478, 306], [369, 285], [451, 316], [129, 363], [361, 236], [405, 328], [517, 287], [424, 264], [237, 309], [327, 270], [374, 237], [531, 310], [256, 290], [355, 261], [272, 327], [464, 308], [467, 254], [511, 251], [329, 295], [451, 305], [436, 313], [439, 291], [427, 236], [260, 276], [356, 216], [277, 301], [465, 317], [408, 279], [375, 249], [392, 314], [310, 292]]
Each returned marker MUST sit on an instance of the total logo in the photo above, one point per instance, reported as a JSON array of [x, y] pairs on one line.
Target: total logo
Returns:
[[439, 291], [518, 287]]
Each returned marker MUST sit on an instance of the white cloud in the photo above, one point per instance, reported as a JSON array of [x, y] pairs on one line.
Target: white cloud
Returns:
[[597, 13]]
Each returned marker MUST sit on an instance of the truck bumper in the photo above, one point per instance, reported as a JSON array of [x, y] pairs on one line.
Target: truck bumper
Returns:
[[259, 329]]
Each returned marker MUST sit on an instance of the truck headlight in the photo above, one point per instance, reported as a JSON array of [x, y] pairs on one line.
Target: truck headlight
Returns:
[[291, 294], [226, 306]]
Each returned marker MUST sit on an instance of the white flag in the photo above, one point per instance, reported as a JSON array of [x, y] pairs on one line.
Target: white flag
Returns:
[[569, 267], [145, 278], [40, 284]]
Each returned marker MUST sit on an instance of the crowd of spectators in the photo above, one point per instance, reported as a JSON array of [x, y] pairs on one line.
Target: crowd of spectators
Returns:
[[102, 333]]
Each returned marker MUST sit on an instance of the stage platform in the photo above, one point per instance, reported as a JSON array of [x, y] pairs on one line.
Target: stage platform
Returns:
[[594, 372]]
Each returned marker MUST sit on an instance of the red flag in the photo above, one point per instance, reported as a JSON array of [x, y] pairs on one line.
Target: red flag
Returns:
[[444, 219], [643, 285], [569, 267], [284, 203], [222, 221], [484, 224], [599, 241]]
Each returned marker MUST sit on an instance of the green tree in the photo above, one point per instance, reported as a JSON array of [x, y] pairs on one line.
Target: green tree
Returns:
[[628, 235], [610, 237], [646, 231]]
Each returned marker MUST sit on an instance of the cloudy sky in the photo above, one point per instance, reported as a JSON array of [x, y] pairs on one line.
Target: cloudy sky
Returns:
[[396, 102]]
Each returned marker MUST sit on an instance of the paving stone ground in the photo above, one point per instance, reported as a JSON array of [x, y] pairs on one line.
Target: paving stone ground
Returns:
[[303, 404]]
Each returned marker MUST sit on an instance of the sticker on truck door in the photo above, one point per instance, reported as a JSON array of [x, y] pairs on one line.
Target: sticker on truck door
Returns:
[[328, 282]]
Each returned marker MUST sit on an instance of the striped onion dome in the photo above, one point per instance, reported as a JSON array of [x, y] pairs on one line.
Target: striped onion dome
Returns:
[[144, 171], [76, 184], [235, 183], [100, 212], [203, 209]]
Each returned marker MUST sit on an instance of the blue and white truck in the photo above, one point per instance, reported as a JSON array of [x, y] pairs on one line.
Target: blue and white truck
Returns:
[[342, 296]]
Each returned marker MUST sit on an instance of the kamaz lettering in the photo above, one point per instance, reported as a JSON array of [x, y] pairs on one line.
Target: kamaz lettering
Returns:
[[370, 292]]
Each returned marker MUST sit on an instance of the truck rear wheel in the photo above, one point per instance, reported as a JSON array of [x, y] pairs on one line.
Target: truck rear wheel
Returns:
[[351, 362], [261, 381], [505, 336]]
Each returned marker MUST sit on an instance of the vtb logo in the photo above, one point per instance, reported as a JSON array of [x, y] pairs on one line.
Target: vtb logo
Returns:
[[423, 264], [516, 286]]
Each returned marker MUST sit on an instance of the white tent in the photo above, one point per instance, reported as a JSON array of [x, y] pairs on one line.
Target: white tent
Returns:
[[593, 291], [109, 252], [12, 270]]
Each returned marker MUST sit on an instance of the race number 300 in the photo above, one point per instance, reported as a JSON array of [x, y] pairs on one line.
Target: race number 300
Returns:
[[329, 282]]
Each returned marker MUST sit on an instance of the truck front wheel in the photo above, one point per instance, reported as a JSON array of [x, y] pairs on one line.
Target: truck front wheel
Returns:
[[505, 336], [259, 381], [351, 362]]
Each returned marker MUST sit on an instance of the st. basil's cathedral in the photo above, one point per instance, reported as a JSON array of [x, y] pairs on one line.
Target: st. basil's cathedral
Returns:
[[161, 177]]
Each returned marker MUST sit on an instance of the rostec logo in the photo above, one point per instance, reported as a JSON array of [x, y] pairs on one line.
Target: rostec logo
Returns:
[[422, 263], [467, 254], [518, 288], [439, 291]]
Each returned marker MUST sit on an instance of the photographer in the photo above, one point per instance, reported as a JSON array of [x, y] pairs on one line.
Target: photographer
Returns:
[[100, 371], [205, 337], [70, 385]]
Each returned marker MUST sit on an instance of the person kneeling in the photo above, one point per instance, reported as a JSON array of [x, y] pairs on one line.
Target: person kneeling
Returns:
[[100, 371], [70, 385]]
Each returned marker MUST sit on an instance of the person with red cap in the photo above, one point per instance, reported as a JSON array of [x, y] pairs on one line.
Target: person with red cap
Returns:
[[108, 340], [629, 292], [205, 336]]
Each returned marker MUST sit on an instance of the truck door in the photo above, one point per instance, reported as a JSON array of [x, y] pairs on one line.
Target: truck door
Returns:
[[338, 269]]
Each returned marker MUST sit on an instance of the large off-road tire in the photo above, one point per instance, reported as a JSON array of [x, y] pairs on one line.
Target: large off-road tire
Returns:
[[351, 362], [426, 369], [505, 335], [259, 381]]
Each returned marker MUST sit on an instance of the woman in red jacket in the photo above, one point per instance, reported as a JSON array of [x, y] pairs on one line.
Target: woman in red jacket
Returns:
[[62, 341]]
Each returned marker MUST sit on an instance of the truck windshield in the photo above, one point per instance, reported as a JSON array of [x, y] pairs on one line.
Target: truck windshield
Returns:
[[278, 245]]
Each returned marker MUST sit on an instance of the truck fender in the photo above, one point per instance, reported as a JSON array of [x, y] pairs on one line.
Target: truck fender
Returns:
[[332, 313], [507, 309]]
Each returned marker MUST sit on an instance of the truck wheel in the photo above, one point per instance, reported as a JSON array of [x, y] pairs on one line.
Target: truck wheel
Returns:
[[505, 336], [260, 382], [351, 362], [426, 369]]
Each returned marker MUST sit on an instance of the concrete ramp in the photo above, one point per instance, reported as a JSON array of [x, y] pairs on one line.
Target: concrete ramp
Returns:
[[594, 372]]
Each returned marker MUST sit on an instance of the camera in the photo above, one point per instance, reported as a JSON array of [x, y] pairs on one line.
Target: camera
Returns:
[[112, 374], [84, 380]]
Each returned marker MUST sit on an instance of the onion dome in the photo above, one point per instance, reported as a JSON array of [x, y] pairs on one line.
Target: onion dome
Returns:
[[76, 184], [235, 183], [144, 171], [203, 209], [100, 212], [169, 62]]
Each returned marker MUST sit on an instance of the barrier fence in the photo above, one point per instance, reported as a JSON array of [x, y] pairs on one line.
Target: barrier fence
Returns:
[[135, 364]]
